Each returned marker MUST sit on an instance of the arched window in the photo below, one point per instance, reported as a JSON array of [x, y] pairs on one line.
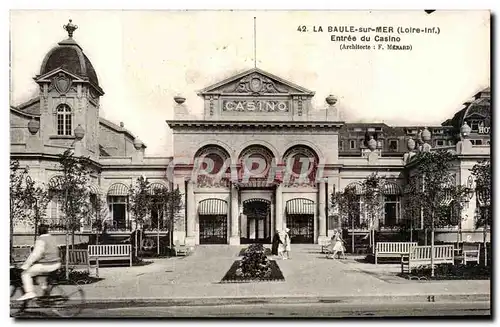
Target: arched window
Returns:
[[64, 120]]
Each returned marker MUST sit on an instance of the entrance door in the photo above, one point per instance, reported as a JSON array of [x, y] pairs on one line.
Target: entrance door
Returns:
[[301, 228], [258, 221], [213, 229]]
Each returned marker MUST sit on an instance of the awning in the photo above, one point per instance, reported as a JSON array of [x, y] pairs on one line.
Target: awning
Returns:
[[94, 189], [391, 189], [300, 207], [156, 187], [212, 207], [358, 188], [118, 189]]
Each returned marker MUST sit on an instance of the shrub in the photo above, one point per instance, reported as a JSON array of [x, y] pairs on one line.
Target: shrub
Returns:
[[254, 264]]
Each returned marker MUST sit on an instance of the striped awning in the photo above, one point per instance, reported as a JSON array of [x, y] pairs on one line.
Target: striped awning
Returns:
[[300, 207], [155, 187], [358, 188], [118, 189], [390, 188], [212, 207], [94, 189]]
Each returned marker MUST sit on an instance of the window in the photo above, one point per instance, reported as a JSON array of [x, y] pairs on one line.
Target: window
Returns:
[[412, 131], [477, 142], [118, 211], [352, 144], [392, 206], [341, 145], [474, 125], [63, 120], [56, 214], [438, 131], [371, 129], [393, 145], [378, 129], [358, 129], [439, 142]]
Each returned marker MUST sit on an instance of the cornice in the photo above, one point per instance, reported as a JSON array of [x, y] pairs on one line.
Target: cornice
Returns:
[[254, 124]]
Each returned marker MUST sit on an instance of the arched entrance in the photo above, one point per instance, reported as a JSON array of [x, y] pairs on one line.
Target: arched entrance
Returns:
[[300, 220], [212, 215], [256, 221]]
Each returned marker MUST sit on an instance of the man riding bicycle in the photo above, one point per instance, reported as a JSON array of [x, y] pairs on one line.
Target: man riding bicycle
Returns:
[[43, 259]]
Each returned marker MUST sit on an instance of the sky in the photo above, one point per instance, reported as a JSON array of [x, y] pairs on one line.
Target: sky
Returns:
[[144, 58]]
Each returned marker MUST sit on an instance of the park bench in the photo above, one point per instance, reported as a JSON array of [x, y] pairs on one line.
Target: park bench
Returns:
[[77, 259], [470, 253], [20, 253], [392, 249], [110, 252], [324, 244], [421, 255], [181, 249]]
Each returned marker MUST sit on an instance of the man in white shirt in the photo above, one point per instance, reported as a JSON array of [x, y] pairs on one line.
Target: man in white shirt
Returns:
[[43, 259]]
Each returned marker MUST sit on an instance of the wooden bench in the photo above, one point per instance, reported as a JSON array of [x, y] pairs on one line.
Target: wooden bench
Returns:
[[470, 253], [392, 249], [110, 252], [77, 259], [181, 249], [421, 255], [324, 244]]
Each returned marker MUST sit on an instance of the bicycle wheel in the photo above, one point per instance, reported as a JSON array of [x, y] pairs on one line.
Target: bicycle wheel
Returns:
[[67, 300], [16, 307]]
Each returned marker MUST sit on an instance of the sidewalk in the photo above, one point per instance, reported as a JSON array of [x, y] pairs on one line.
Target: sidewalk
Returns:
[[308, 275]]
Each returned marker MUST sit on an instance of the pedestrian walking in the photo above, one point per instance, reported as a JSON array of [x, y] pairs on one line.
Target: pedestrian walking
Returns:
[[337, 245], [276, 243], [287, 245]]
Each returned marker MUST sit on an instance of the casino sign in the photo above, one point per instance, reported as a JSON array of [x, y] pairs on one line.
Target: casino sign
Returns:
[[256, 105]]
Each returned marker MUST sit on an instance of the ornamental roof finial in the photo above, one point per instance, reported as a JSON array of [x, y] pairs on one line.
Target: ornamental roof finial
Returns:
[[70, 28]]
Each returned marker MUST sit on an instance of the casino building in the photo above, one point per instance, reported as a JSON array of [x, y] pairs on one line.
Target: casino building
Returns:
[[251, 117]]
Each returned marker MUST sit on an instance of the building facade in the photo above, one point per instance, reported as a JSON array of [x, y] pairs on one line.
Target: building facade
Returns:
[[274, 160]]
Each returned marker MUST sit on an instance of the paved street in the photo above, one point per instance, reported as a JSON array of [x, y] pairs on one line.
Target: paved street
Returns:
[[310, 310], [314, 286], [308, 273]]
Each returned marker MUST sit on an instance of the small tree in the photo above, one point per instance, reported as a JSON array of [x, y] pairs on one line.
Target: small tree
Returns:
[[140, 203], [434, 192], [482, 174], [19, 213], [37, 199], [74, 190], [346, 205], [372, 187]]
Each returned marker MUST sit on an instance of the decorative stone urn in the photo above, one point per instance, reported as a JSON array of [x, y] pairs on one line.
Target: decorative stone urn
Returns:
[[138, 143], [331, 100], [426, 135], [411, 144], [372, 144], [79, 132], [33, 126], [179, 99], [465, 130]]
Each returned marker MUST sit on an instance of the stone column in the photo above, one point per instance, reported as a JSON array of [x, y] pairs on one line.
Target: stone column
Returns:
[[279, 208], [322, 215], [234, 239], [190, 214]]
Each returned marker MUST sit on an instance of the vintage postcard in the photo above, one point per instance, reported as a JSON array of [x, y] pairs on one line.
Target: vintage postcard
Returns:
[[269, 164]]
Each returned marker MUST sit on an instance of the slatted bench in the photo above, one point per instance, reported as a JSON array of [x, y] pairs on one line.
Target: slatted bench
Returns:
[[421, 255], [181, 249], [77, 259], [110, 252], [392, 249], [470, 253]]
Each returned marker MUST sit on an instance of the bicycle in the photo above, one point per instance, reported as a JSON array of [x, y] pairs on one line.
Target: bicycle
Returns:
[[65, 304]]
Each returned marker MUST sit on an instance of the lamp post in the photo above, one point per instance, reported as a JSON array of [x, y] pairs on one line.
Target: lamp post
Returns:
[[35, 199]]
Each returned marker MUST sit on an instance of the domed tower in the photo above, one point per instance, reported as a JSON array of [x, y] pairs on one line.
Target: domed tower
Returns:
[[69, 97]]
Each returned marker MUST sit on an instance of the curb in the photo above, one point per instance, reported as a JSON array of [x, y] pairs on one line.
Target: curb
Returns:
[[212, 301]]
